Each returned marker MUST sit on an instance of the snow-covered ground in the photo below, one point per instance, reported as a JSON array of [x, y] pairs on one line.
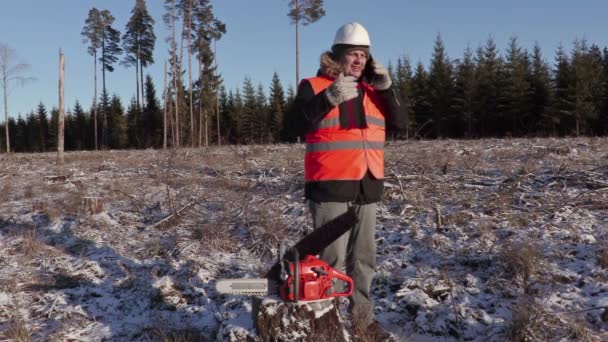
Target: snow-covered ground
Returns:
[[477, 240]]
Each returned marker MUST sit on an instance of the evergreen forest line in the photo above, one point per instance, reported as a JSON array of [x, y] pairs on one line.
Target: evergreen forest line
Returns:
[[484, 93]]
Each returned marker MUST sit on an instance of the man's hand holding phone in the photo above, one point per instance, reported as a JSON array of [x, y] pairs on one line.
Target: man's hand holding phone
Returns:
[[381, 79]]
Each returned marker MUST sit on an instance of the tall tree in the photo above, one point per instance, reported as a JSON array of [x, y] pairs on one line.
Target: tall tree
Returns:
[[138, 43], [585, 71], [303, 12], [80, 127], [43, 125], [93, 35], [465, 84], [517, 68], [441, 88], [152, 130], [562, 106], [489, 66], [11, 71], [207, 28], [261, 115], [403, 83], [249, 113], [540, 88], [421, 102], [110, 50], [276, 109], [604, 106], [170, 18]]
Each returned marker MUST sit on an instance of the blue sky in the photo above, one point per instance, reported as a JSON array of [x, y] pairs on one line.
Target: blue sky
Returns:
[[260, 38]]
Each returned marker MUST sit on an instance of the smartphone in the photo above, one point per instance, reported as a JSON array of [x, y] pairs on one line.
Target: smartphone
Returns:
[[368, 72]]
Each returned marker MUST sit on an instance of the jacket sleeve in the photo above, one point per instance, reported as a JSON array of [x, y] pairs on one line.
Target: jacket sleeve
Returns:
[[307, 110], [396, 118]]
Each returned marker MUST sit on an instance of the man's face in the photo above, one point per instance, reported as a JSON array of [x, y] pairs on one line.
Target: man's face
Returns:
[[353, 62]]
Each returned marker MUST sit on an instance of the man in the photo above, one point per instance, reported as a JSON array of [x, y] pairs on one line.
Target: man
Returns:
[[343, 112]]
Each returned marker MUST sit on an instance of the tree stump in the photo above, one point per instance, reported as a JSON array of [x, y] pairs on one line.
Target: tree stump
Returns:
[[92, 205], [276, 320]]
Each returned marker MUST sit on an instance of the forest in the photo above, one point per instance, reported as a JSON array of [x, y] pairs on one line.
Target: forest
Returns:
[[485, 93]]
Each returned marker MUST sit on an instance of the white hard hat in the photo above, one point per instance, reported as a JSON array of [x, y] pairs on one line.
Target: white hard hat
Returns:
[[352, 34]]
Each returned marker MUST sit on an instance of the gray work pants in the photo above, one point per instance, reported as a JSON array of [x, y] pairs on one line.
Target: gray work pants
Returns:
[[356, 250]]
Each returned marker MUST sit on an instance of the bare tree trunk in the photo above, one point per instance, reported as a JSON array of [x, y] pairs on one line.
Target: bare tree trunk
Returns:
[[137, 82], [103, 77], [297, 43], [175, 75], [205, 113], [4, 86], [165, 109], [190, 73], [217, 103], [172, 124], [200, 101], [141, 81], [60, 122], [95, 100]]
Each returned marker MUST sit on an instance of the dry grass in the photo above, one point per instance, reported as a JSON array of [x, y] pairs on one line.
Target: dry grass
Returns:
[[531, 322], [30, 245], [18, 332], [522, 260]]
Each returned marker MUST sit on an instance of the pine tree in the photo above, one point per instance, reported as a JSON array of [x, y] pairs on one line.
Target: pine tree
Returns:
[[539, 89], [562, 107], [422, 105], [583, 68], [239, 117], [261, 116], [152, 126], [464, 92], [20, 128], [110, 50], [138, 43], [276, 109], [93, 34], [54, 122], [207, 28], [604, 105], [69, 131], [249, 116], [441, 88], [133, 137], [117, 131], [403, 83], [32, 141], [80, 128], [170, 18], [517, 89], [488, 88], [304, 12], [597, 88], [43, 127]]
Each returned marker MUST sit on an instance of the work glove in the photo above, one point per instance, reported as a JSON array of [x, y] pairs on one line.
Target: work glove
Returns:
[[344, 88], [381, 80]]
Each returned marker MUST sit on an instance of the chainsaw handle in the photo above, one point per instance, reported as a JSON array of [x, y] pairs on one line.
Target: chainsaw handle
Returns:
[[343, 277]]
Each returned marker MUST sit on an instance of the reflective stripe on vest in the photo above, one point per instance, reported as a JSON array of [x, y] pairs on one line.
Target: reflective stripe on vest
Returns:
[[335, 153]]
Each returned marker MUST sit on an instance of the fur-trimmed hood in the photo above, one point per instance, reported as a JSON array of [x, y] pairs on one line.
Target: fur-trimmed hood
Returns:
[[328, 66]]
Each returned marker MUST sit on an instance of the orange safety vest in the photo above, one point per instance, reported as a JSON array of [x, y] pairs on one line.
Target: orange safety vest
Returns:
[[335, 153]]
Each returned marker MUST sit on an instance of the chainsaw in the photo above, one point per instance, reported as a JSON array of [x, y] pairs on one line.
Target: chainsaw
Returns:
[[297, 279], [308, 279]]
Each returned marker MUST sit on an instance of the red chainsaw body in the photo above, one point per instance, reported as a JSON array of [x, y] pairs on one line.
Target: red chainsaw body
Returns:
[[314, 282]]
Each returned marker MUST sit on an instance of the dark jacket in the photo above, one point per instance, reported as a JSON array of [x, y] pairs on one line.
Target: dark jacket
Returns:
[[309, 109]]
